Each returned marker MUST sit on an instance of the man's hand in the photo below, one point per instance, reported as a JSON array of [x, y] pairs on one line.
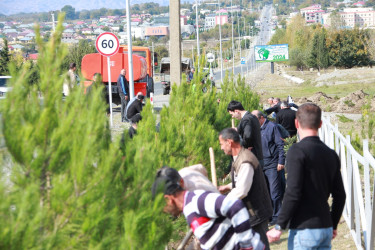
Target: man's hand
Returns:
[[334, 234], [225, 188], [126, 98], [280, 167], [273, 235]]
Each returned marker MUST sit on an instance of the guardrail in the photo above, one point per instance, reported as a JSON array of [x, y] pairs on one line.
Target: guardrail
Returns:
[[359, 211]]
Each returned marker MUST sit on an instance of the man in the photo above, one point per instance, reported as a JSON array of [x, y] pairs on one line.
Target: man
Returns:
[[217, 221], [134, 125], [248, 182], [313, 175], [135, 106], [248, 129], [71, 81], [275, 107], [274, 161], [195, 178], [286, 117], [123, 90], [191, 75]]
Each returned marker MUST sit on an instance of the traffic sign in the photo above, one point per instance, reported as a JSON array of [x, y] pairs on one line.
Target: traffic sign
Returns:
[[210, 57], [107, 44]]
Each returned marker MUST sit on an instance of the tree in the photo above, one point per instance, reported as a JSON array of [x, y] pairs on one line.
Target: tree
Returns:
[[84, 14], [297, 58], [70, 12], [153, 39], [164, 40], [4, 58], [161, 51], [77, 52], [205, 36]]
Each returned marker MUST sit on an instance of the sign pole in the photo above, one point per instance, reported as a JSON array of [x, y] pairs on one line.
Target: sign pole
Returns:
[[107, 45], [110, 88]]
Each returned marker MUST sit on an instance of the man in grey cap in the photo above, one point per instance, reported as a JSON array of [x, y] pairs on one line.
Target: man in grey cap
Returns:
[[217, 221]]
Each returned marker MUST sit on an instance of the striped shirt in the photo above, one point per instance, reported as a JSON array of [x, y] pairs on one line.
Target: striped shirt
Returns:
[[219, 222]]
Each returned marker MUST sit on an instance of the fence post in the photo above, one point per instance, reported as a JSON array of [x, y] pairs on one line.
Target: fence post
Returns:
[[370, 206], [350, 187]]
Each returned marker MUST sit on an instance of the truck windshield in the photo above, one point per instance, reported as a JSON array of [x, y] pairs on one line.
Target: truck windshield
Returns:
[[140, 53]]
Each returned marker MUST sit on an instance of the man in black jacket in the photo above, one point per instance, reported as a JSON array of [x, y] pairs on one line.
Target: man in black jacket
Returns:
[[123, 90], [313, 175], [286, 117], [135, 106], [249, 129]]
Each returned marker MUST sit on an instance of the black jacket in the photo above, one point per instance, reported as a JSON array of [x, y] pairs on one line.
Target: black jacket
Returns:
[[249, 130], [286, 118], [119, 87], [134, 108], [276, 108], [313, 175]]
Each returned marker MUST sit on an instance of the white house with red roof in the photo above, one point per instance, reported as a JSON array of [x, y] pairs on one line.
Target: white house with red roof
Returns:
[[313, 14]]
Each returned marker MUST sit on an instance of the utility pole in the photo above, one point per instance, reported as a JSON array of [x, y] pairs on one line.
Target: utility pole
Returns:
[[231, 4], [130, 51], [221, 49], [53, 21], [239, 41], [175, 41], [197, 30]]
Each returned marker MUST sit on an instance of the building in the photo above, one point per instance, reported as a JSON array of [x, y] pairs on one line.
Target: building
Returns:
[[156, 31], [358, 17], [313, 14], [221, 17], [209, 21]]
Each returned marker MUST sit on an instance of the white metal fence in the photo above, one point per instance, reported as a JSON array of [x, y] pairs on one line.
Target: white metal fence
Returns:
[[358, 177]]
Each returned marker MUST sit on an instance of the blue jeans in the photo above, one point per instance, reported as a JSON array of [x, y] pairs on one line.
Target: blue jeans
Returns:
[[306, 239]]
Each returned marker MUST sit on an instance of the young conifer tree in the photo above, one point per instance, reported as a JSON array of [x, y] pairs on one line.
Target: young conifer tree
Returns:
[[68, 187]]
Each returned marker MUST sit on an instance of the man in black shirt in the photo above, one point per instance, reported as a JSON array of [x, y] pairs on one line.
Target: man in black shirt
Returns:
[[135, 106], [313, 175], [286, 117], [249, 129]]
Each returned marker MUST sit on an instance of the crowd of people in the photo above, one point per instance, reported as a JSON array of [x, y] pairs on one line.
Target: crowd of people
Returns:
[[259, 196], [238, 215]]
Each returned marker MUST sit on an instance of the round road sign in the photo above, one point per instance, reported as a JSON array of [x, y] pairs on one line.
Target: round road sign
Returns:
[[107, 44], [210, 57]]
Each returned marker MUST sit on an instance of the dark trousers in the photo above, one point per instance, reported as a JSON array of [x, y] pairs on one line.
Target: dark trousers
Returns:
[[276, 184], [123, 108], [262, 229]]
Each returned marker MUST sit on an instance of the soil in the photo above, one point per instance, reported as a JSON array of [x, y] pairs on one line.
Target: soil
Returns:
[[351, 103]]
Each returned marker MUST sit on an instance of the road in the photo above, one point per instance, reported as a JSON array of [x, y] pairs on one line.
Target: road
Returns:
[[262, 38]]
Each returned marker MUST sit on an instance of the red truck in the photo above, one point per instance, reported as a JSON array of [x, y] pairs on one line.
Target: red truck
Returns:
[[142, 70]]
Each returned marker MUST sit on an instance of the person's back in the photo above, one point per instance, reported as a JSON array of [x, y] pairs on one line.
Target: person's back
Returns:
[[195, 179], [249, 130], [286, 117], [135, 106], [319, 175]]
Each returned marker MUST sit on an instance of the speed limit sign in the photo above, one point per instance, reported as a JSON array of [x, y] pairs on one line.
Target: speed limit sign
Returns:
[[107, 44]]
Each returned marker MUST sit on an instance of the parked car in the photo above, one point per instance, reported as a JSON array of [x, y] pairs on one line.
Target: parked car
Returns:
[[4, 86]]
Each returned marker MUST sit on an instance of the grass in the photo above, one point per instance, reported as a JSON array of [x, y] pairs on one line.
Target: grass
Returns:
[[344, 119]]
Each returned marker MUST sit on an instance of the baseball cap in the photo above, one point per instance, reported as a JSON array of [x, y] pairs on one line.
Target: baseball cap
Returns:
[[167, 180]]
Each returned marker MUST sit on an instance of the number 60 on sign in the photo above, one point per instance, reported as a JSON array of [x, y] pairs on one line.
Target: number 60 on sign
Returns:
[[107, 44]]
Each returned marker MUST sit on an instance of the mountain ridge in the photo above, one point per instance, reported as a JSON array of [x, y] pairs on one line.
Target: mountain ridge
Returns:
[[10, 7]]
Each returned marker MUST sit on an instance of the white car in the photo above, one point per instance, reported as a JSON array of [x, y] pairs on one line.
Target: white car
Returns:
[[4, 86]]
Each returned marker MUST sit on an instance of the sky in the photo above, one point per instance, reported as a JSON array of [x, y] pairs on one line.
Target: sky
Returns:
[[8, 7]]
